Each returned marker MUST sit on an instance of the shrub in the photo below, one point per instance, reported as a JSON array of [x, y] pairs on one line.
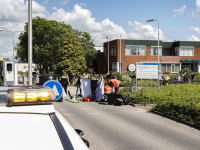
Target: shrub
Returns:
[[126, 78], [117, 75], [125, 84]]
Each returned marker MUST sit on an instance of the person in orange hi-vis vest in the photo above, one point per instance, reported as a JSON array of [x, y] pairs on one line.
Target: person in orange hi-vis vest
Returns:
[[115, 83]]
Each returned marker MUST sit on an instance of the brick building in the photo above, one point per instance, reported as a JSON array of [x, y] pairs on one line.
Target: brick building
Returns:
[[174, 56]]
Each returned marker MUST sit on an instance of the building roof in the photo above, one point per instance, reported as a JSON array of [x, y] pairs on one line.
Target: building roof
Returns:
[[163, 44]]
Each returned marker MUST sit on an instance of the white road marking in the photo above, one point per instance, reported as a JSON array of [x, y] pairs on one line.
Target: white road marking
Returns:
[[93, 113], [83, 108], [141, 109], [62, 109], [69, 114], [137, 111]]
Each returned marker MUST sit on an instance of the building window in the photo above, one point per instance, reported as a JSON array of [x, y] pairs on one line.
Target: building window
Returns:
[[105, 52], [173, 68], [114, 66], [166, 52], [154, 51], [135, 50], [186, 51], [113, 51]]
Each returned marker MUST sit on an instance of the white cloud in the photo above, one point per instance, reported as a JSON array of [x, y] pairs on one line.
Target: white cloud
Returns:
[[13, 15], [82, 4], [78, 18], [195, 29], [146, 32], [82, 19], [196, 13], [65, 2], [193, 38], [45, 2], [179, 11]]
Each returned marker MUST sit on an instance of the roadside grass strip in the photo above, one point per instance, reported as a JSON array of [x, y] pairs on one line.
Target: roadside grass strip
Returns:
[[72, 100]]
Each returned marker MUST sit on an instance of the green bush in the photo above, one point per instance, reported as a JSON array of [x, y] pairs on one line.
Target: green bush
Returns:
[[117, 75], [130, 74], [126, 78], [182, 101], [125, 84]]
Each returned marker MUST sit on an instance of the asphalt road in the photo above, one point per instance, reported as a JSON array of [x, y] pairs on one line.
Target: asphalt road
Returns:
[[109, 127]]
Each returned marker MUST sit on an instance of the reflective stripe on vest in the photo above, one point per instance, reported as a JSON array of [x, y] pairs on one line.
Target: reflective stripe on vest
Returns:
[[65, 77], [94, 78]]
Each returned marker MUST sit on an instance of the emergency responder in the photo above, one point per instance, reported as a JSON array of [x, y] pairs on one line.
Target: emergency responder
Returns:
[[2, 75], [94, 85], [65, 81]]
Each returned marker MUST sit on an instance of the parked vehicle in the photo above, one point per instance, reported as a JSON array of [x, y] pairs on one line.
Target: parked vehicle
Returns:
[[42, 78]]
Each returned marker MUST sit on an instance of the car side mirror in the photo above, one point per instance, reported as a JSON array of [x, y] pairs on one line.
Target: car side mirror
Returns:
[[86, 141], [79, 132]]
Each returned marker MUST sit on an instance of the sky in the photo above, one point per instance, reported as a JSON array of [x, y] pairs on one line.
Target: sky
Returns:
[[178, 20]]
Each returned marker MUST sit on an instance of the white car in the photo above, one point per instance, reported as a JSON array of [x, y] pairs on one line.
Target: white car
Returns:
[[29, 121]]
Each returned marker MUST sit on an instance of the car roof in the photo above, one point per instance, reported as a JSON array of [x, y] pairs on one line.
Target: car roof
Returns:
[[28, 131]]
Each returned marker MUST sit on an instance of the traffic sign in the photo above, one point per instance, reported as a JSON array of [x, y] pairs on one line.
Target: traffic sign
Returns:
[[131, 67], [56, 87]]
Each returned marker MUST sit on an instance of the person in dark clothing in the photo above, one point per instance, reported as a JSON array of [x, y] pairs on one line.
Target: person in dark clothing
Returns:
[[110, 76], [185, 78], [94, 84], [65, 81], [192, 78], [78, 85]]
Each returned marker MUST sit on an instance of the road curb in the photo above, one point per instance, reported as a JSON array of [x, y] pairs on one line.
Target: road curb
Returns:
[[177, 119], [142, 105]]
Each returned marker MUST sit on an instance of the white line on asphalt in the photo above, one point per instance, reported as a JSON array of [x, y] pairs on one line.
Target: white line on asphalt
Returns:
[[141, 109], [62, 109], [93, 113], [83, 108], [137, 111], [69, 114]]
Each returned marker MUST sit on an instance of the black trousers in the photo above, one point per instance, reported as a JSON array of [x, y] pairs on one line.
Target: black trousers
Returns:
[[93, 89], [65, 87]]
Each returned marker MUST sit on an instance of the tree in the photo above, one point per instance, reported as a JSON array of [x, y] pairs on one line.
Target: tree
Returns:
[[87, 44], [48, 37], [72, 58]]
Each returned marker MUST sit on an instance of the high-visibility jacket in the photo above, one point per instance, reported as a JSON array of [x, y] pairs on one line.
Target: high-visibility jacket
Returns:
[[64, 79], [94, 81], [115, 82]]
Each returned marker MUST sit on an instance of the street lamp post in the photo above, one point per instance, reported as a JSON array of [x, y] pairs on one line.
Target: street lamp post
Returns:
[[158, 47], [108, 54], [30, 42]]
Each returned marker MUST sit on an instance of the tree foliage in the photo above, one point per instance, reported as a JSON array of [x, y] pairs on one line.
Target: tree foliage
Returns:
[[72, 59], [87, 44], [47, 39]]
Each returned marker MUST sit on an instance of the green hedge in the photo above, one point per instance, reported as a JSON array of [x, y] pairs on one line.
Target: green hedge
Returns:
[[182, 101]]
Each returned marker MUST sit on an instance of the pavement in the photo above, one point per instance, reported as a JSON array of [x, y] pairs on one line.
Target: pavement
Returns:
[[125, 127]]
